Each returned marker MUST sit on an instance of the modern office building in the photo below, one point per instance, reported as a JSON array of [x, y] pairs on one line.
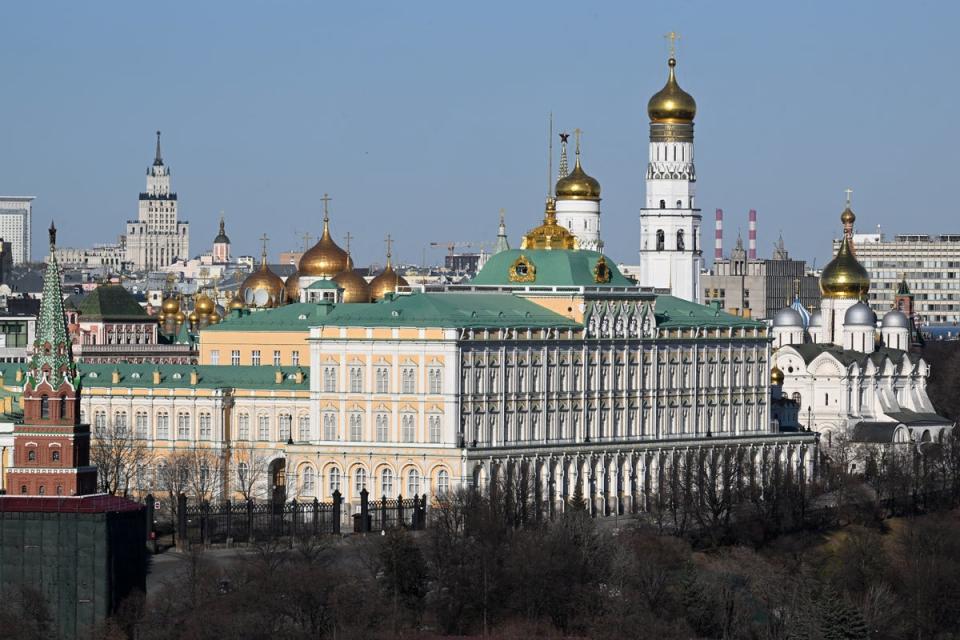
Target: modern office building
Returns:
[[930, 265], [15, 222]]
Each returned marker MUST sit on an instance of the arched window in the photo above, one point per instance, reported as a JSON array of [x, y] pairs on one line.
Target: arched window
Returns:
[[356, 427], [304, 428], [32, 455], [263, 427], [334, 479], [285, 423], [383, 428], [406, 428], [183, 426], [660, 239], [386, 483], [680, 243], [243, 469], [679, 204], [55, 456], [44, 407], [163, 426], [663, 204], [63, 407], [443, 482], [308, 486], [413, 483], [23, 488], [359, 480], [243, 426], [435, 429], [329, 426]]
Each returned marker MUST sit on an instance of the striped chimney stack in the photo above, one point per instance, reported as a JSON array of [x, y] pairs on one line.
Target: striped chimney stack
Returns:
[[752, 237], [718, 244]]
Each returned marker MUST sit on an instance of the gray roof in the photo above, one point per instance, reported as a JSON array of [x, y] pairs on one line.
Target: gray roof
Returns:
[[895, 320], [810, 351], [914, 419], [788, 317], [860, 315], [874, 432]]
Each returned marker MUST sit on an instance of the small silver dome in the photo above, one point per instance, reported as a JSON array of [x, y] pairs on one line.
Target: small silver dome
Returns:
[[895, 320], [816, 319], [860, 315], [788, 317]]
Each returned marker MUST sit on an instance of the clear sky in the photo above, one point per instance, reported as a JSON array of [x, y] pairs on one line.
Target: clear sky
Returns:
[[423, 119]]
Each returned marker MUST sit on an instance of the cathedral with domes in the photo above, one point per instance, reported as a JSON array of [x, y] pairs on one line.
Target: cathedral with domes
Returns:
[[848, 373]]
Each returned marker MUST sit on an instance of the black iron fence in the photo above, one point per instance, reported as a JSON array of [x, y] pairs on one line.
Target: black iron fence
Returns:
[[247, 521]]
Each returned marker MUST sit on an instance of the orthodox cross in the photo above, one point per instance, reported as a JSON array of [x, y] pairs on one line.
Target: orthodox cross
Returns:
[[389, 242], [307, 237], [326, 201], [673, 36], [577, 132], [502, 213], [849, 193], [263, 241], [348, 238]]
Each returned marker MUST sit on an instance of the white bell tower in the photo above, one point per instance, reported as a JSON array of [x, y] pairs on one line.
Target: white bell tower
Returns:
[[670, 244]]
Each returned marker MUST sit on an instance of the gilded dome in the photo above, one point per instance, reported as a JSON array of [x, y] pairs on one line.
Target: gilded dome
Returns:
[[204, 305], [577, 185], [170, 305], [324, 259], [292, 286], [194, 317], [672, 104], [549, 235], [214, 318], [387, 281], [180, 317], [848, 217], [776, 376], [844, 277], [355, 288], [235, 302], [262, 289]]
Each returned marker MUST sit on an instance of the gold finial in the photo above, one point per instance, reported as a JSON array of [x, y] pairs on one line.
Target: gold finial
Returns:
[[673, 36], [576, 134], [503, 213], [849, 193], [389, 242], [326, 202], [263, 254]]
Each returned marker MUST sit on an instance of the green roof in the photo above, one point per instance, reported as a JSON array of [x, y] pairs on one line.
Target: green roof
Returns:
[[210, 376], [111, 302], [673, 312], [447, 310], [299, 316], [552, 268], [323, 284]]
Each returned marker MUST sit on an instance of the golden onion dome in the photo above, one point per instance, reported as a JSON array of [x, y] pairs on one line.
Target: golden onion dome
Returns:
[[292, 286], [776, 376], [549, 235], [672, 104], [577, 185], [214, 318], [848, 217], [355, 288], [324, 259], [161, 317], [262, 289], [235, 302], [387, 281], [170, 305], [203, 305], [844, 277], [194, 317], [180, 317]]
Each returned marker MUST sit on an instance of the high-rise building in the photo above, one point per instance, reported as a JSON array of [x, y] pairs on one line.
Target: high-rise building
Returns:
[[157, 238], [15, 220], [670, 248], [929, 264]]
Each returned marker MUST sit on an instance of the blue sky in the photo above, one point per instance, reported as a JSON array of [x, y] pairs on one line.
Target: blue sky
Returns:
[[422, 119]]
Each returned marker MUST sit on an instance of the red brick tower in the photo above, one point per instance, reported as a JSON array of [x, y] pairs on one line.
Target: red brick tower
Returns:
[[51, 449]]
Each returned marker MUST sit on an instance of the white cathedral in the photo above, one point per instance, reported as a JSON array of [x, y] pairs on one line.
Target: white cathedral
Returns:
[[848, 373]]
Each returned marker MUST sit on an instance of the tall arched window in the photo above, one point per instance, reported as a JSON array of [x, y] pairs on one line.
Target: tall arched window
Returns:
[[406, 428], [660, 239], [663, 204], [163, 426], [63, 407], [356, 427], [359, 480], [285, 424], [303, 428], [243, 426], [334, 479], [443, 482], [680, 242], [383, 428], [435, 429], [413, 483], [386, 483], [44, 407], [308, 486]]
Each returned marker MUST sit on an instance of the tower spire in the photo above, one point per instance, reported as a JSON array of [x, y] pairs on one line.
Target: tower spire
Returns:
[[158, 160], [563, 171], [51, 348], [503, 244]]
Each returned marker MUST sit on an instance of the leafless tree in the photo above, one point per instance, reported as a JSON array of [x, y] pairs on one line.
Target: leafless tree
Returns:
[[250, 468], [119, 456]]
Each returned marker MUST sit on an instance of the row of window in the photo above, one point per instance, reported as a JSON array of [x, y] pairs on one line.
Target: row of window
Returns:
[[408, 380], [335, 481], [356, 431], [255, 358]]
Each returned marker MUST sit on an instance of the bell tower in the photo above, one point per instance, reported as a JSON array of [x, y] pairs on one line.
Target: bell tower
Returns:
[[51, 449], [670, 247]]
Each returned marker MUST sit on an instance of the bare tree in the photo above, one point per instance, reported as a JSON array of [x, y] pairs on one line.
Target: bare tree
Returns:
[[118, 455], [251, 466], [204, 467]]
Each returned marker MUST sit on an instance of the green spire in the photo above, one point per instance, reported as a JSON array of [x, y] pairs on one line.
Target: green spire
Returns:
[[51, 348], [502, 243]]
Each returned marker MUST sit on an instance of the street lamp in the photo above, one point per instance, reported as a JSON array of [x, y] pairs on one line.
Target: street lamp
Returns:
[[809, 417]]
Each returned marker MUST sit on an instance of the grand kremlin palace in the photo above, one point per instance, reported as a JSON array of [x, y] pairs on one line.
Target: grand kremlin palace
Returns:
[[549, 363]]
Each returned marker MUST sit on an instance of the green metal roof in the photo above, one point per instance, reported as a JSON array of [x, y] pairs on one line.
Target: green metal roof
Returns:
[[299, 316], [447, 310], [177, 376], [676, 313], [553, 268], [111, 302], [323, 284]]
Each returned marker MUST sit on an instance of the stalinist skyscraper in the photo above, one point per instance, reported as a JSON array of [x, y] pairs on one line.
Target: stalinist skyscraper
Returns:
[[157, 238], [670, 248]]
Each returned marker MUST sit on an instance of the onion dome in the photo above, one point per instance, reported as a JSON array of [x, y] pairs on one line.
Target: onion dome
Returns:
[[776, 376], [324, 259], [788, 317], [214, 318], [549, 235], [672, 104], [262, 289], [355, 288], [235, 302], [194, 317], [161, 317], [203, 305], [180, 317], [222, 236], [860, 315], [170, 305], [577, 185], [895, 320], [388, 281], [816, 319], [292, 286], [844, 277], [848, 217]]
